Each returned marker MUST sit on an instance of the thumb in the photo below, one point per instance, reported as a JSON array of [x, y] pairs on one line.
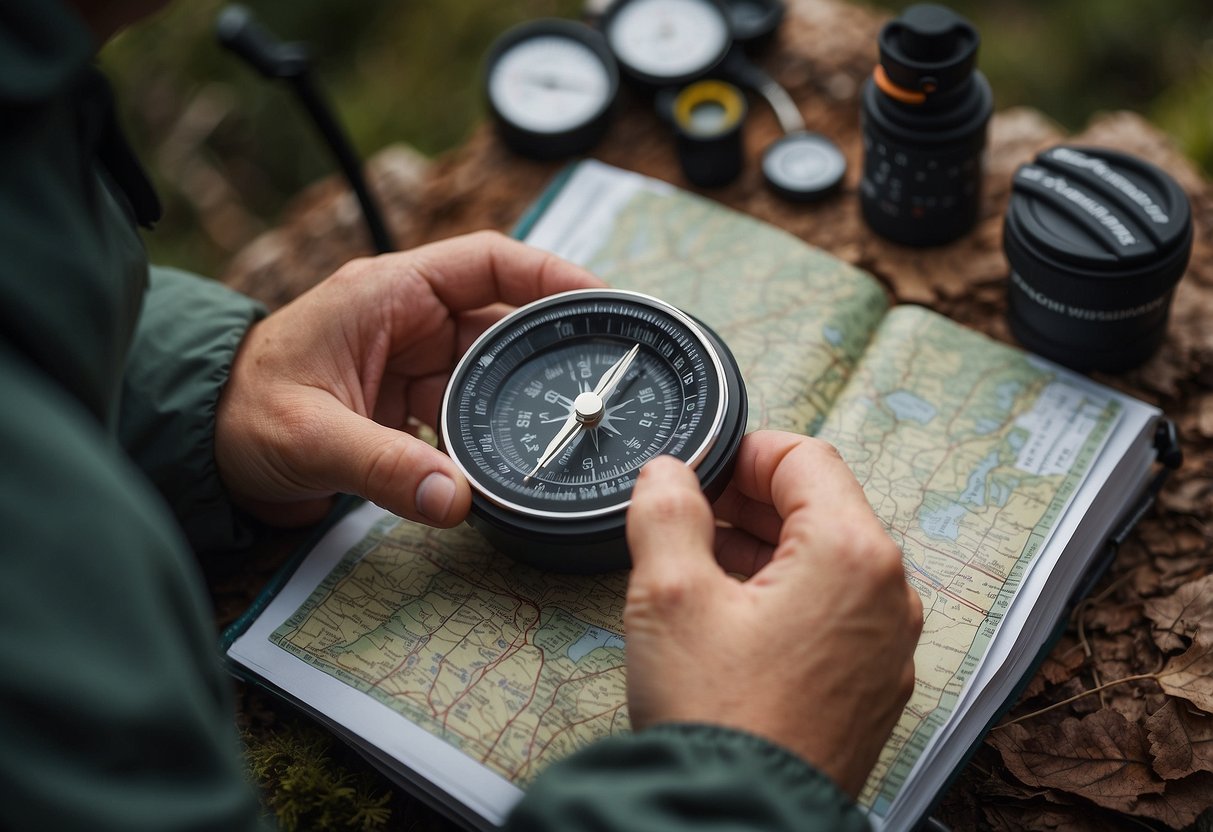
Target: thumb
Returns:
[[393, 469], [670, 525]]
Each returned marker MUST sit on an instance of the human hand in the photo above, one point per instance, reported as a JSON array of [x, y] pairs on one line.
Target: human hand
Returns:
[[815, 650], [321, 392]]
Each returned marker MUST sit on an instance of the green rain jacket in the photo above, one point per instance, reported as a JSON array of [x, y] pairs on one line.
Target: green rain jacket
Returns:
[[114, 710]]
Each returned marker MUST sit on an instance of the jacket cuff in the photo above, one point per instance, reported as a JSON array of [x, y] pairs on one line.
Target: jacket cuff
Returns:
[[686, 776], [188, 334]]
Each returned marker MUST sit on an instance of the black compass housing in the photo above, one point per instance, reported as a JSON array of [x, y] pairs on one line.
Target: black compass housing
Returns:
[[571, 517]]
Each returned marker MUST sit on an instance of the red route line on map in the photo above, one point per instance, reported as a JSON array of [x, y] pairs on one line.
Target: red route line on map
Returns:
[[552, 703]]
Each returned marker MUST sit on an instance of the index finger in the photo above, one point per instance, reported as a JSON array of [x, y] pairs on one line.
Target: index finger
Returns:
[[479, 269]]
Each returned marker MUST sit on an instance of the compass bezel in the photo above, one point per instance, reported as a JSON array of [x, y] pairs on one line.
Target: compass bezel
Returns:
[[525, 319]]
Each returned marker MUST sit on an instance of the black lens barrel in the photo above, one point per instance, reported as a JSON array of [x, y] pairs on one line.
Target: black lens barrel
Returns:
[[924, 114], [1096, 241]]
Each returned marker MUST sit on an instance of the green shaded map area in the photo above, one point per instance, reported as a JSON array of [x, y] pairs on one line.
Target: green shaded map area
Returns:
[[969, 452], [963, 446], [796, 319], [514, 667]]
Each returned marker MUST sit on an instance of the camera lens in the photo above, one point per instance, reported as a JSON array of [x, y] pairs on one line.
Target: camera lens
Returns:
[[924, 113], [1096, 241]]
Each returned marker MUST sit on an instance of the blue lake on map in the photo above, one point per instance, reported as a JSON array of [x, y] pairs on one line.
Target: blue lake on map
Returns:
[[1001, 491], [985, 427], [833, 335], [592, 639], [940, 517], [908, 407], [1006, 393], [975, 491]]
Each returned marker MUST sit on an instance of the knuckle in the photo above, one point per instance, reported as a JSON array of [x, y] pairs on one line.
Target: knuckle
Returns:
[[353, 270], [666, 591], [673, 506], [876, 559], [388, 466], [489, 237], [822, 447]]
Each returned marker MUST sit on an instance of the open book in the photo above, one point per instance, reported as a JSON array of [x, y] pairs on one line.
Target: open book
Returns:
[[1000, 475]]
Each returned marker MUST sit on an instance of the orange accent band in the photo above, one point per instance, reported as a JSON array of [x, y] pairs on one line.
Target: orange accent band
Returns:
[[895, 92]]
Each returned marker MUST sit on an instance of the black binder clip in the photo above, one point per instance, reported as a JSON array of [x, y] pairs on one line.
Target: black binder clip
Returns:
[[1166, 443]]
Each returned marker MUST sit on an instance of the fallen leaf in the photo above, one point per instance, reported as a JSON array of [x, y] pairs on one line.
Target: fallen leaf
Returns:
[[1182, 802], [1113, 618], [1064, 661], [1043, 817], [1190, 675], [1181, 740], [1180, 615], [1102, 757]]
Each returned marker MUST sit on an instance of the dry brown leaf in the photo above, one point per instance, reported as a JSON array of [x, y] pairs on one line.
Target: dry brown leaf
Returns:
[[1195, 495], [1190, 675], [1180, 615], [1182, 802], [1102, 757], [1113, 617], [1043, 817], [1181, 740], [1064, 661]]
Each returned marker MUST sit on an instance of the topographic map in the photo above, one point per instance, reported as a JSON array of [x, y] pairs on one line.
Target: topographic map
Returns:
[[514, 667], [968, 450]]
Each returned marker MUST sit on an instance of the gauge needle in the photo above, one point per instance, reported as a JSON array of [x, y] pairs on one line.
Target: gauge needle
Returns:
[[588, 409], [554, 82]]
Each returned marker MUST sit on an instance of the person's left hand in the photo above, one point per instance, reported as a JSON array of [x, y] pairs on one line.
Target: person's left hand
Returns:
[[321, 392]]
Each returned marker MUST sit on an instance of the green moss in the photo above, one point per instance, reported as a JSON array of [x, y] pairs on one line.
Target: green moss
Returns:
[[306, 785]]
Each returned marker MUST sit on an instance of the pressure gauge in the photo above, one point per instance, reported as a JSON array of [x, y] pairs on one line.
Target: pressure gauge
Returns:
[[668, 42], [550, 85], [553, 411]]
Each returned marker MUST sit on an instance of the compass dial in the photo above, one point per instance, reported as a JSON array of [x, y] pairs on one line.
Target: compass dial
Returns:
[[553, 411]]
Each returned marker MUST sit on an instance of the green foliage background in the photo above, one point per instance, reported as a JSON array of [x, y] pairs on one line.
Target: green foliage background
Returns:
[[228, 148]]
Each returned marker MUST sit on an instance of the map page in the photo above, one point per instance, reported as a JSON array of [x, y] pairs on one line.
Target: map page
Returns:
[[795, 318], [968, 450]]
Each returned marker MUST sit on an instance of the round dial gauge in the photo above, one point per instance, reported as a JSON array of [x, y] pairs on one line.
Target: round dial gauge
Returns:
[[553, 411], [550, 85], [803, 166], [668, 42]]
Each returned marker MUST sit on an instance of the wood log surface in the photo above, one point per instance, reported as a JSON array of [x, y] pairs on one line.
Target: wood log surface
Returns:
[[824, 52]]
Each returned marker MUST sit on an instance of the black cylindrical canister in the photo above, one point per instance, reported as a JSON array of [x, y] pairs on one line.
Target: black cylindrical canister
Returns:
[[1096, 241], [923, 114], [708, 118]]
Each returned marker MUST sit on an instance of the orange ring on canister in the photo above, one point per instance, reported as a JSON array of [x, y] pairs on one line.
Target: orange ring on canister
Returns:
[[905, 96]]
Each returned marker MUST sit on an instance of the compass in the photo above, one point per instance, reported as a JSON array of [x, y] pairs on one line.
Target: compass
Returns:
[[553, 411]]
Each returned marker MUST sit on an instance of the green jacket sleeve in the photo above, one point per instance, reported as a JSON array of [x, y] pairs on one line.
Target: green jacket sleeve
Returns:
[[116, 715], [685, 777], [182, 352]]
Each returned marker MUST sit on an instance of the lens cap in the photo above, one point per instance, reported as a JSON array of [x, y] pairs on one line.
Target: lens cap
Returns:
[[1096, 240], [803, 167], [929, 48]]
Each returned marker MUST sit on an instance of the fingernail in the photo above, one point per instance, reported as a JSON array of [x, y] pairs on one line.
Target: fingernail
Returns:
[[434, 496]]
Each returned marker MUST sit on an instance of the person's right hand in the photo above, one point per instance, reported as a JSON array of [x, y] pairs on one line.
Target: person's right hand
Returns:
[[815, 650]]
